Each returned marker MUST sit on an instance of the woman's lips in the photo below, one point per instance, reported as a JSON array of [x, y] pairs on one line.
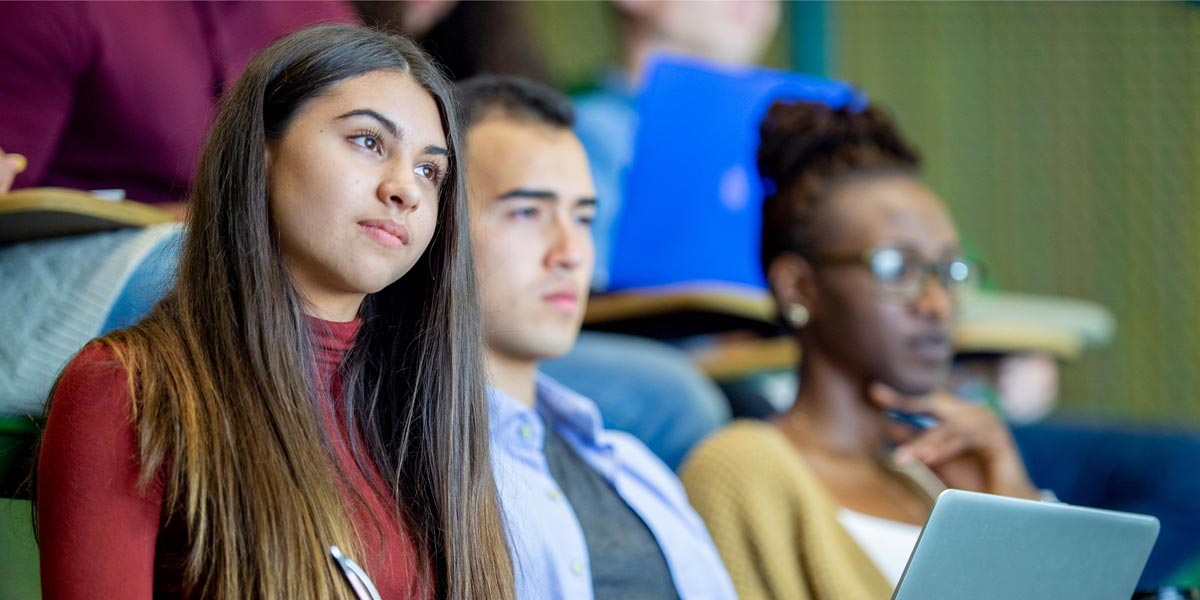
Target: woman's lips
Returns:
[[388, 233], [566, 301], [933, 348]]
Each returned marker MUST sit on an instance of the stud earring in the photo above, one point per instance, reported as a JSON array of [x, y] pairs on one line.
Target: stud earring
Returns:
[[796, 315]]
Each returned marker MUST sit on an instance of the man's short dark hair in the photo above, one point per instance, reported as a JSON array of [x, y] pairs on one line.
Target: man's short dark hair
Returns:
[[513, 97]]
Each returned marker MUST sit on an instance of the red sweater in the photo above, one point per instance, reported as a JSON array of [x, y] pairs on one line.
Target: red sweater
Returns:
[[101, 539]]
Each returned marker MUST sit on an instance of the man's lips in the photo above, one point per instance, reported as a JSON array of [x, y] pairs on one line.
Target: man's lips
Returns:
[[387, 232]]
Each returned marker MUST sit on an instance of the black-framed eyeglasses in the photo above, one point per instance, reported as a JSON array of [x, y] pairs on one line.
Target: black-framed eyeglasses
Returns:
[[902, 272], [355, 576]]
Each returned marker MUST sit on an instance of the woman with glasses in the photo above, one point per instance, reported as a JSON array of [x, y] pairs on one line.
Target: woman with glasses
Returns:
[[826, 501], [312, 384]]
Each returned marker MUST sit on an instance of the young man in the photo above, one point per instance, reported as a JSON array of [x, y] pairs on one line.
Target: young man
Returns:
[[591, 513], [686, 406]]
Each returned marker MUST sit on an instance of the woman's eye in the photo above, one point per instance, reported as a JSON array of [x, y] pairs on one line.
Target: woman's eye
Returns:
[[889, 265], [529, 212], [367, 142], [959, 270], [430, 172]]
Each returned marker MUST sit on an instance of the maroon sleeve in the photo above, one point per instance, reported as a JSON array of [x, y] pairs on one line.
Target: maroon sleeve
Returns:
[[96, 532], [43, 50]]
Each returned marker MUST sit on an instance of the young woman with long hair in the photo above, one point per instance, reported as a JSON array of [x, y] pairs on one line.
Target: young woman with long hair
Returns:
[[313, 379]]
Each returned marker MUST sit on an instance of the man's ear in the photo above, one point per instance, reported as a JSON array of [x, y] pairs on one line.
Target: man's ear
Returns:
[[791, 279]]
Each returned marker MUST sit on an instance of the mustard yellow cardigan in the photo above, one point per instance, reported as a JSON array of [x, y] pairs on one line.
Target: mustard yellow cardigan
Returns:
[[774, 522]]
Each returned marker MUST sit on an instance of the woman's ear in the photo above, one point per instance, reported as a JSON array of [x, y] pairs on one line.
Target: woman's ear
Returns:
[[790, 278]]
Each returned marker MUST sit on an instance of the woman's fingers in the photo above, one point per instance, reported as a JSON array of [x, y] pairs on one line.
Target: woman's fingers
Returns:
[[935, 446]]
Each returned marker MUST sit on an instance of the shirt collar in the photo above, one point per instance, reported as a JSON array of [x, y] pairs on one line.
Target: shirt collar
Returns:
[[564, 407], [557, 405], [504, 411]]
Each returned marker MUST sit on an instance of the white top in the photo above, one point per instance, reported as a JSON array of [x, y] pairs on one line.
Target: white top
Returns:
[[887, 543]]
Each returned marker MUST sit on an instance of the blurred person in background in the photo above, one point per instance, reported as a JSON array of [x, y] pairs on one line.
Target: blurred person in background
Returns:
[[725, 32], [121, 95], [827, 499], [114, 96], [466, 38], [664, 400]]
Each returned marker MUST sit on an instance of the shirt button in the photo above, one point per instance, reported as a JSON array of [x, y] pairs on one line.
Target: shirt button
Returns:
[[553, 494], [525, 432], [577, 568]]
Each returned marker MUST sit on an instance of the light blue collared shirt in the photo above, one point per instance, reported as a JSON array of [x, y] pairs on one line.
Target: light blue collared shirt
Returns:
[[550, 555]]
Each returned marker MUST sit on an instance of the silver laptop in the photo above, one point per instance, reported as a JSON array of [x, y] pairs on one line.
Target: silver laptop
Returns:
[[984, 547]]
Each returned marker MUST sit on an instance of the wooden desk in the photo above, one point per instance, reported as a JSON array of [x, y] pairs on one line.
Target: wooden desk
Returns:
[[742, 322], [38, 213], [679, 312]]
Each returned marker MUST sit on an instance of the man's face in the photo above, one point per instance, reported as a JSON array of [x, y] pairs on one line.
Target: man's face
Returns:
[[532, 203]]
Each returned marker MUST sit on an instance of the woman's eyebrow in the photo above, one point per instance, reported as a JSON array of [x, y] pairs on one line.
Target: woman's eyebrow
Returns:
[[366, 112], [391, 128]]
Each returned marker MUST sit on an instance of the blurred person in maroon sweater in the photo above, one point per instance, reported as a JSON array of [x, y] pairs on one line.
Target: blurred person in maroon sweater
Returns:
[[120, 95], [110, 95]]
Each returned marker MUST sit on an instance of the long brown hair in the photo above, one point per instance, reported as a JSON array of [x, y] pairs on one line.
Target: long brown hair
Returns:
[[224, 402]]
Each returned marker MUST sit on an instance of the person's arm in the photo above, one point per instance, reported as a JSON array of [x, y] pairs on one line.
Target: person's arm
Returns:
[[1148, 472], [44, 49], [96, 531]]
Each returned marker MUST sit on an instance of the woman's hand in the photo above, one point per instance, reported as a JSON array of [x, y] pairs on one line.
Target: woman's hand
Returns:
[[10, 166], [969, 447]]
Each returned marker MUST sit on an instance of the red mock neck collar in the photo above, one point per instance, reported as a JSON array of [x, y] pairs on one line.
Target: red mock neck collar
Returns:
[[331, 340]]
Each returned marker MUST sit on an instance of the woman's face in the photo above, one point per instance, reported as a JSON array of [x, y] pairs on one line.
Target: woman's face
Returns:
[[877, 333], [353, 188]]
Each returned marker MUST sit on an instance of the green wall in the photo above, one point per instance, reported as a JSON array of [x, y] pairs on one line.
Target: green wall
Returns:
[[1064, 136], [1066, 139]]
